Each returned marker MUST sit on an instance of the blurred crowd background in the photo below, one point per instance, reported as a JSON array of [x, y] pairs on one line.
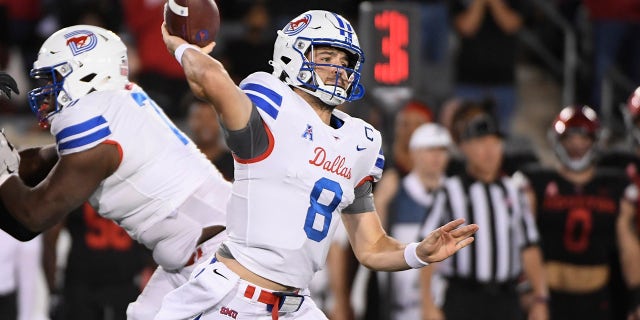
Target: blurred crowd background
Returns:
[[525, 63], [550, 53], [560, 52]]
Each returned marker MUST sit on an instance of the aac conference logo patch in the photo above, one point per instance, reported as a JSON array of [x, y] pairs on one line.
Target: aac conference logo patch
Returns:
[[81, 41]]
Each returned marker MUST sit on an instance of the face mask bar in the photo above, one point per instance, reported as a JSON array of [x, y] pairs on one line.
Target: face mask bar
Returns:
[[307, 75], [54, 77]]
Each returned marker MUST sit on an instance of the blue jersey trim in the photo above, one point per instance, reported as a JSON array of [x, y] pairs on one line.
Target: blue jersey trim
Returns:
[[336, 122], [85, 140], [272, 95], [380, 163], [80, 127], [264, 105], [139, 97]]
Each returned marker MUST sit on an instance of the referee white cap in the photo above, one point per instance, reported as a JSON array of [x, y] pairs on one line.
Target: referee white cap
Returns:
[[430, 135]]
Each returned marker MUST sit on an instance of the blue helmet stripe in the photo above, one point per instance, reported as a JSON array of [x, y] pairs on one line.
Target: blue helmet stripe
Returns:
[[80, 127], [349, 31], [85, 140], [340, 24]]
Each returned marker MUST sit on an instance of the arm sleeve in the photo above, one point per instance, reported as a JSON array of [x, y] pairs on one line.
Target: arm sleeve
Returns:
[[251, 141], [363, 201]]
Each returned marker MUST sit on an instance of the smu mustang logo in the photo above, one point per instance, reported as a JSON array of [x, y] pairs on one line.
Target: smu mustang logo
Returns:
[[81, 41], [295, 27]]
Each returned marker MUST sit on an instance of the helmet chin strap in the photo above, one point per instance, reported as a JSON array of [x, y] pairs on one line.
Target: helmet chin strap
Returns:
[[332, 99]]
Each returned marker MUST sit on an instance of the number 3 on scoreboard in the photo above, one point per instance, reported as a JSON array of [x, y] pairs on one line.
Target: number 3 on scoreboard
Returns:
[[393, 46], [321, 211]]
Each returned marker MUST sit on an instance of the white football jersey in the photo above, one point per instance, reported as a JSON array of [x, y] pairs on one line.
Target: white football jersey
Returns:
[[285, 204], [160, 166]]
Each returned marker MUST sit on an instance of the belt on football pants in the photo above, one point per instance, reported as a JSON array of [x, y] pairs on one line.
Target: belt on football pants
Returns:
[[275, 300]]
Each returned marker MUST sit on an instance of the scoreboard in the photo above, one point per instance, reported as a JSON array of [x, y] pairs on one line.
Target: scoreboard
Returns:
[[389, 34]]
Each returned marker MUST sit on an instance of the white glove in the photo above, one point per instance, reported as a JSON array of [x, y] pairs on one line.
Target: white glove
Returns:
[[9, 159]]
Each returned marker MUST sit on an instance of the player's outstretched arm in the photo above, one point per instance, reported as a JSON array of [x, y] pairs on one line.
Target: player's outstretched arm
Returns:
[[376, 250], [209, 80], [69, 184]]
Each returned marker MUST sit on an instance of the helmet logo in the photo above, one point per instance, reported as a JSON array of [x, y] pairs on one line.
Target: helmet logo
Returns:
[[81, 41], [296, 26]]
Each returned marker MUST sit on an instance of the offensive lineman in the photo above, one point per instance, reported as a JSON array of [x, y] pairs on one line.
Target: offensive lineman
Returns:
[[115, 148], [299, 164]]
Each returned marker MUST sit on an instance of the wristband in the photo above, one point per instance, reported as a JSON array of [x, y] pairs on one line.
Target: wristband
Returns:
[[180, 51], [411, 256]]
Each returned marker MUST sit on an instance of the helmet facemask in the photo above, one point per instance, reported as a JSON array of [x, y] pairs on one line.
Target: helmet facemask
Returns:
[[50, 92], [575, 120], [573, 162], [331, 93], [294, 63]]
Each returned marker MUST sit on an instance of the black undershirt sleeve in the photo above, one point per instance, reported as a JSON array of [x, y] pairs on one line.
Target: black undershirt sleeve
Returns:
[[250, 141], [363, 201]]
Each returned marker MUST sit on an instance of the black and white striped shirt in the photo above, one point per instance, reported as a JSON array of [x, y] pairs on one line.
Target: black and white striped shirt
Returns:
[[503, 214]]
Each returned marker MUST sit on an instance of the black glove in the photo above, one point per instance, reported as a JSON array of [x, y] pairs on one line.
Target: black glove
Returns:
[[7, 84]]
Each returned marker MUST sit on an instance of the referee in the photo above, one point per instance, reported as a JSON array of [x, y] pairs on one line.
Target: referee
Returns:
[[482, 278]]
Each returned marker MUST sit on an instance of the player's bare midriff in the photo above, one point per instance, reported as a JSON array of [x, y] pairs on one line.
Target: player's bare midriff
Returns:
[[573, 278], [248, 275], [209, 232]]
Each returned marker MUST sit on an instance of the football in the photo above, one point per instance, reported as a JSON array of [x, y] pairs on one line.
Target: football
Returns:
[[196, 21]]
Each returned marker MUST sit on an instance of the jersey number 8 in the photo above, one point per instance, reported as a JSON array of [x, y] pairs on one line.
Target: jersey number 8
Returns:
[[323, 210]]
